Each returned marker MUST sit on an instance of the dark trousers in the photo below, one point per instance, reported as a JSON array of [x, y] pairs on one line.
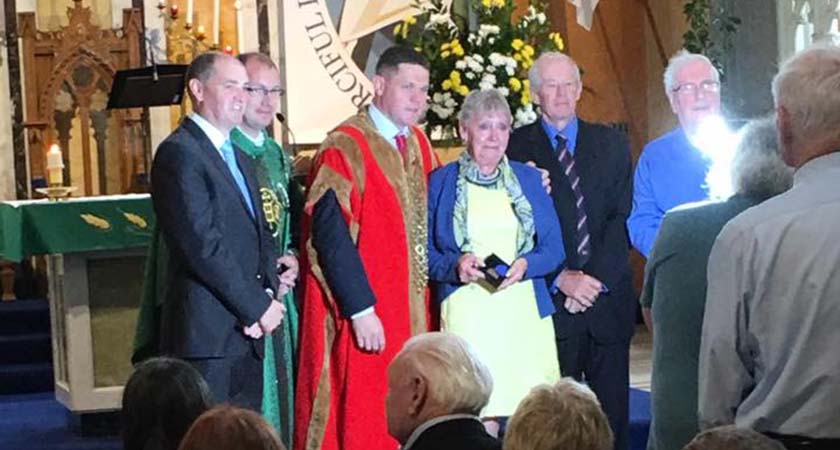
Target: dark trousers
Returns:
[[236, 380], [606, 369]]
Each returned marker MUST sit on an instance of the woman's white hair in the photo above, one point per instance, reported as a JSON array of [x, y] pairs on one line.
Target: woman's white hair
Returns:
[[677, 62], [808, 87], [457, 379], [483, 101], [757, 168]]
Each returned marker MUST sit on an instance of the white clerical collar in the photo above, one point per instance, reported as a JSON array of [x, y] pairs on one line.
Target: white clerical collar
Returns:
[[214, 134], [258, 141], [430, 423]]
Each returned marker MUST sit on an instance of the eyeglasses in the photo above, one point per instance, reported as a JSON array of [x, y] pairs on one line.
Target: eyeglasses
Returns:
[[262, 91], [708, 86]]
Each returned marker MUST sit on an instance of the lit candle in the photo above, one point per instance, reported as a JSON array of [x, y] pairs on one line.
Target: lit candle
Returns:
[[216, 12], [240, 36], [189, 12], [200, 33], [55, 166]]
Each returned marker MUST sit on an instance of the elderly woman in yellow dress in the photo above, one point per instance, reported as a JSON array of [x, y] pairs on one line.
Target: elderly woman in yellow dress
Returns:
[[483, 205]]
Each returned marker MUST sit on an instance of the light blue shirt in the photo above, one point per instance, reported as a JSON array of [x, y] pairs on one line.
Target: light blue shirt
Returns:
[[384, 126], [670, 172], [569, 132]]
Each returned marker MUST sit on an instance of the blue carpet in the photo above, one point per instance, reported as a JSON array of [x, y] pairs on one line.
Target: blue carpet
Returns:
[[39, 422], [25, 347], [639, 418]]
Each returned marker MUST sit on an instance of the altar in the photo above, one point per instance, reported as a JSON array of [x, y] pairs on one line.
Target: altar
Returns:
[[95, 250]]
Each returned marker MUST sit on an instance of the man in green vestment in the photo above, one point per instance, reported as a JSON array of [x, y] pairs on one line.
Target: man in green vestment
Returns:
[[281, 196]]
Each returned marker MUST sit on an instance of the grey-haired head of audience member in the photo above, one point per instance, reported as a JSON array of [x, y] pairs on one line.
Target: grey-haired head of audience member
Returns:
[[227, 427], [562, 416], [757, 169], [435, 374], [806, 92], [730, 437], [161, 400], [484, 123]]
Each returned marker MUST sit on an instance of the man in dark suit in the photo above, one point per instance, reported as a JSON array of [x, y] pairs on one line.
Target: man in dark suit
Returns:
[[590, 172], [437, 386], [221, 271]]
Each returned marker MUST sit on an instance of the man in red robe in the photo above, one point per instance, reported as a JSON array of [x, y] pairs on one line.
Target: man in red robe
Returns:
[[364, 260]]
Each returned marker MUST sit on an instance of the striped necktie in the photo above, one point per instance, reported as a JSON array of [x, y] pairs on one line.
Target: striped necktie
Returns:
[[567, 160]]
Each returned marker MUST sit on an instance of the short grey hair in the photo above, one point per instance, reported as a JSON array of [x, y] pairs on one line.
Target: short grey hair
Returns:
[[730, 437], [677, 62], [563, 415], [456, 377], [757, 167], [808, 87], [534, 75], [484, 101]]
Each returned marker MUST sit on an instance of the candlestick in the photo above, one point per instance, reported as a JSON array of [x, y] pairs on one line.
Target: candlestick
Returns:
[[240, 35], [216, 12], [55, 166], [189, 12]]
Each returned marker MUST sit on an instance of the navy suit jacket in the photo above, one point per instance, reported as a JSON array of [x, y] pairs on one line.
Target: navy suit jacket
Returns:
[[543, 259], [221, 260], [602, 161]]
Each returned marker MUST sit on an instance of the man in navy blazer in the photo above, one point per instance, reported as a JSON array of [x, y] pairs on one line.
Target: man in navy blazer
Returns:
[[221, 271], [588, 165]]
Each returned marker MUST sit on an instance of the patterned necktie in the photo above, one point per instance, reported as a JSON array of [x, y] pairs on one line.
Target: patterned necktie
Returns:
[[567, 160], [233, 166], [401, 143]]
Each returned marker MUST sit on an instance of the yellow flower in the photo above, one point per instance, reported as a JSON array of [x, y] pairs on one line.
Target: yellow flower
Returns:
[[463, 90], [485, 3], [397, 29], [517, 44], [558, 41], [444, 54], [446, 85], [528, 50], [515, 84], [499, 3], [517, 56], [411, 20], [455, 76]]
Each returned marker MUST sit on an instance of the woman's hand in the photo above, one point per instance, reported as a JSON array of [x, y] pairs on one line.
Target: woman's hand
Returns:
[[468, 266], [515, 273]]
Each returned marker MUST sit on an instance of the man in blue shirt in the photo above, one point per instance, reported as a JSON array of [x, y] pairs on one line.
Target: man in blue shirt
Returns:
[[672, 170]]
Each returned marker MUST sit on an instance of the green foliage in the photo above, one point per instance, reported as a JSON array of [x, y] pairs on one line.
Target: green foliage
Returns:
[[705, 24]]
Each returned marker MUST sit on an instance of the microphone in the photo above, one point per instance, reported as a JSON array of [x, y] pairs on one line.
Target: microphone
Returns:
[[282, 119]]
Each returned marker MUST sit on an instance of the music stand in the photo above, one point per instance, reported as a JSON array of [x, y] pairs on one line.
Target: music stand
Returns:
[[156, 85]]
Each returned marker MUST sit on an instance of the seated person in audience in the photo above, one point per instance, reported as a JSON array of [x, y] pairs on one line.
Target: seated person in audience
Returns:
[[483, 205], [732, 438], [675, 281], [160, 401], [437, 387], [565, 415], [769, 356], [230, 428]]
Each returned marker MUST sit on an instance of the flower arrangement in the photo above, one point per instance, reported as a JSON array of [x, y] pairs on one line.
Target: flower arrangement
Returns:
[[497, 53]]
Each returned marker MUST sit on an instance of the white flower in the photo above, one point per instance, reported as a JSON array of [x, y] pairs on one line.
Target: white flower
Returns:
[[497, 59], [505, 91], [541, 18], [460, 64], [489, 78], [510, 70], [525, 115], [443, 105], [470, 75]]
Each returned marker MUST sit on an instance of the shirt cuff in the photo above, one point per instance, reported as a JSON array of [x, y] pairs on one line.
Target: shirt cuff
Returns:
[[363, 312]]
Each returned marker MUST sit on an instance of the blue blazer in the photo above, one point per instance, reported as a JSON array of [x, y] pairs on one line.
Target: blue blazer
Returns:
[[545, 258]]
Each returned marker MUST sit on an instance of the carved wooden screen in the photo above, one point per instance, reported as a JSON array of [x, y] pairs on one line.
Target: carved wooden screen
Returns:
[[67, 77]]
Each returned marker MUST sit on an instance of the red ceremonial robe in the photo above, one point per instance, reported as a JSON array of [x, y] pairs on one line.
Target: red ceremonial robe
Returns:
[[340, 395]]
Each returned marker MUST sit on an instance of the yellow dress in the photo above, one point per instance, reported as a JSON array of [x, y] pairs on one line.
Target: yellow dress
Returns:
[[504, 327]]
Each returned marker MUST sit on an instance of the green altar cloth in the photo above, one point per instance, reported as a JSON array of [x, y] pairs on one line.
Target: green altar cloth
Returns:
[[36, 227]]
